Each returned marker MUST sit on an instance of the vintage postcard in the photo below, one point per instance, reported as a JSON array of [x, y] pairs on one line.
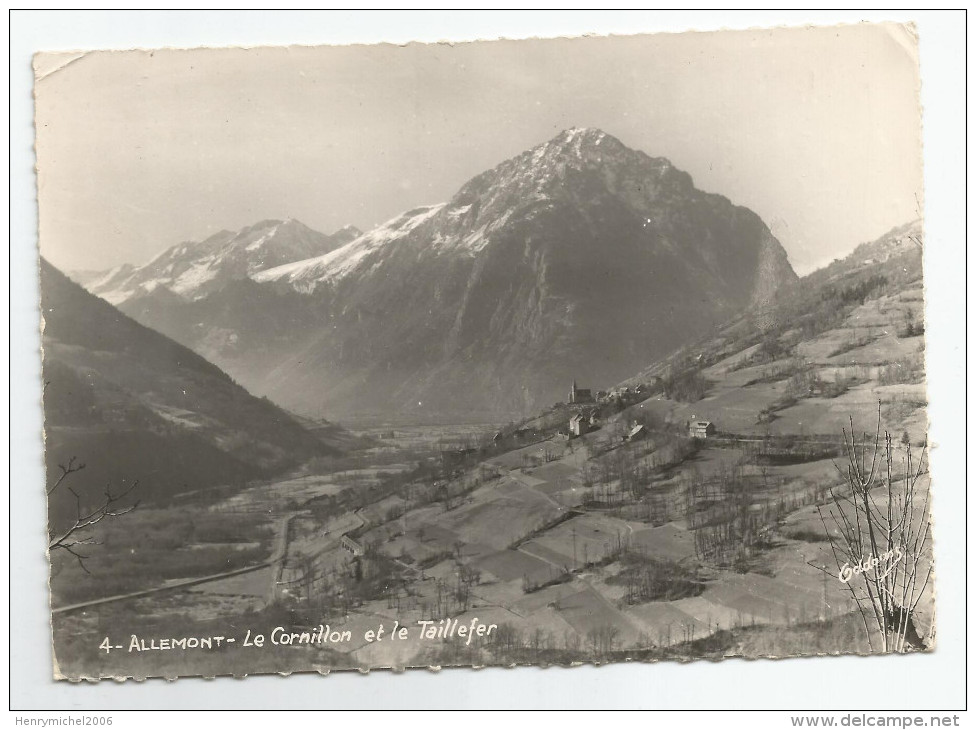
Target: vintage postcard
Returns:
[[535, 352]]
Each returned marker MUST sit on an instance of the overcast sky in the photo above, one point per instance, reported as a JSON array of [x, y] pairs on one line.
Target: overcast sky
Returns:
[[817, 130]]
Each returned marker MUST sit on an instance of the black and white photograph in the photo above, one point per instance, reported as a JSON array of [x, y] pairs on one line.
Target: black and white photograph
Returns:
[[537, 352]]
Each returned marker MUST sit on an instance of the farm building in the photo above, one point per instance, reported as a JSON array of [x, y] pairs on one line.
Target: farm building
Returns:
[[580, 395], [579, 425], [352, 546], [700, 429], [620, 395], [637, 433]]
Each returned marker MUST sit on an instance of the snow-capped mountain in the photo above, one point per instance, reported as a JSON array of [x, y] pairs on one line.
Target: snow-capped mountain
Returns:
[[531, 184], [578, 259], [194, 269], [306, 274]]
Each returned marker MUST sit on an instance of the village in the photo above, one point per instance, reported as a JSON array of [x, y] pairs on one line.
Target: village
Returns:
[[587, 417]]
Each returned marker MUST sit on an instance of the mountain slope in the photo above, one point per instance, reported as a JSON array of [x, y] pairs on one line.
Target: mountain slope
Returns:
[[134, 405], [194, 269], [827, 348], [580, 259]]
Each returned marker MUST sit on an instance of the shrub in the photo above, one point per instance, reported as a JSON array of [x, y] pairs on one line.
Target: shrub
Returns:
[[653, 579], [906, 370], [688, 387]]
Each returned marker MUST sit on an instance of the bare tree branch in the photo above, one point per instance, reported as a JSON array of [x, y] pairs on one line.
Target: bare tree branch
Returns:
[[881, 544], [65, 472], [111, 505]]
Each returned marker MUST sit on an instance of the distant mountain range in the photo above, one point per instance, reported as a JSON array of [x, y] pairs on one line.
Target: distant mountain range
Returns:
[[194, 269], [133, 405], [578, 259]]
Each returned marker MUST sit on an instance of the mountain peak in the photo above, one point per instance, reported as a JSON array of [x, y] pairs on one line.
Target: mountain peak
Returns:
[[349, 229], [572, 166], [584, 149], [577, 140], [583, 133], [266, 223]]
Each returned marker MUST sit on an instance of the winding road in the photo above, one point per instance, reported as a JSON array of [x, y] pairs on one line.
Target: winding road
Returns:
[[279, 546]]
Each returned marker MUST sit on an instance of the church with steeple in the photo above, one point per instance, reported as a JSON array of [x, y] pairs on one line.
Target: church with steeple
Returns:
[[580, 395]]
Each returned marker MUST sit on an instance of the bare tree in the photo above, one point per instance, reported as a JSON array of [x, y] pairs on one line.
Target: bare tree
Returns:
[[309, 576], [109, 506], [883, 550]]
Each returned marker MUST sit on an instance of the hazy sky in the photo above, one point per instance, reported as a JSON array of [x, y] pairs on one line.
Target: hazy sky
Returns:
[[817, 130]]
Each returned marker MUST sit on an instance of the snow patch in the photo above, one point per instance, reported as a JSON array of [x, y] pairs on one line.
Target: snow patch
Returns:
[[539, 153], [194, 277], [474, 242], [105, 279], [261, 240], [116, 296], [345, 259]]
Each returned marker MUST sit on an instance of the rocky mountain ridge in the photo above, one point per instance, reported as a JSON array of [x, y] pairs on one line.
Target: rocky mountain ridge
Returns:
[[580, 258]]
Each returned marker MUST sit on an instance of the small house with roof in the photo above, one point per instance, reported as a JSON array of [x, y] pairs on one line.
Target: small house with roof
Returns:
[[352, 546], [637, 433], [699, 428], [579, 425]]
